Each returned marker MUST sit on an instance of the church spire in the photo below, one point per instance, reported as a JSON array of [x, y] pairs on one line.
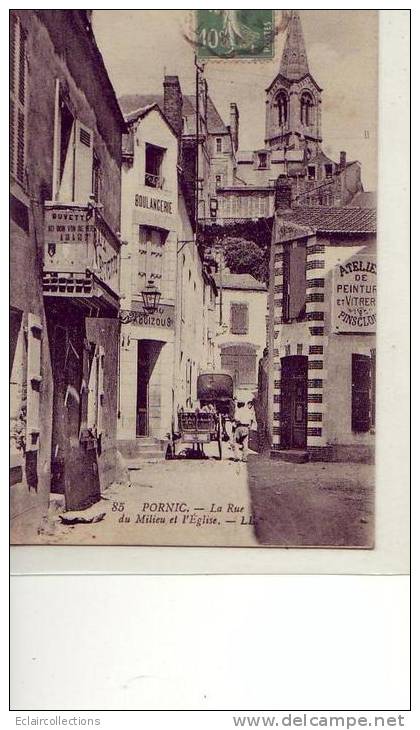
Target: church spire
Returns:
[[294, 63]]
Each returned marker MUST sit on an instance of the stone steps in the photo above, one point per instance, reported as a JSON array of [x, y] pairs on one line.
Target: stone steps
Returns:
[[141, 449]]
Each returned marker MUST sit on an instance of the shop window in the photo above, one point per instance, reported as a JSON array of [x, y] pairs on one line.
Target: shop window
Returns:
[[151, 250], [153, 166], [18, 100], [239, 318], [360, 393], [328, 171], [294, 283], [219, 145], [311, 172]]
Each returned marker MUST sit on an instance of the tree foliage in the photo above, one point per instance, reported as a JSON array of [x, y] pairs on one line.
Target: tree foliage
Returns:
[[245, 257]]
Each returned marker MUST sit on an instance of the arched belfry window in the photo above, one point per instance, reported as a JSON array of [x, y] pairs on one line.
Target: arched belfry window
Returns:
[[306, 104], [282, 103]]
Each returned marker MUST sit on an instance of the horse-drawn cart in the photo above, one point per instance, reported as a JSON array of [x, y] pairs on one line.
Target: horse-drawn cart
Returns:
[[207, 423]]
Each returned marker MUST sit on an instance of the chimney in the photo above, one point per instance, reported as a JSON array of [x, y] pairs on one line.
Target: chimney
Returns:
[[234, 125], [172, 103], [343, 160], [283, 194]]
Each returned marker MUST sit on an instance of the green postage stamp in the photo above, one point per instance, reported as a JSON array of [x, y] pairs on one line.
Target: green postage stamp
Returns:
[[235, 33]]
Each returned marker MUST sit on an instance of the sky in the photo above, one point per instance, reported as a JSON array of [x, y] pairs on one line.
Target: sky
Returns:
[[140, 46]]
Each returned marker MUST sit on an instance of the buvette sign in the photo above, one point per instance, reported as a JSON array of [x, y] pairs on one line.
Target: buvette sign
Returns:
[[354, 296]]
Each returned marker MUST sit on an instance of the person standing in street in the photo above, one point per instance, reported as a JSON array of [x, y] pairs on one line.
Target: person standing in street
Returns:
[[243, 420]]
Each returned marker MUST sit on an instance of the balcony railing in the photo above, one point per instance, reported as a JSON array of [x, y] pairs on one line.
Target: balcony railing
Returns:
[[81, 252], [153, 181]]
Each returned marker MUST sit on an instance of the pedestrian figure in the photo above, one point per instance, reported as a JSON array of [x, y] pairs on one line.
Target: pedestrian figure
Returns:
[[243, 421]]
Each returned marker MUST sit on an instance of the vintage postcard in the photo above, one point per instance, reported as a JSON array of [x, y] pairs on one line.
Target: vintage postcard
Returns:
[[193, 277]]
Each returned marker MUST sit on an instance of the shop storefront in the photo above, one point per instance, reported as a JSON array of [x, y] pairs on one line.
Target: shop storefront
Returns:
[[322, 336]]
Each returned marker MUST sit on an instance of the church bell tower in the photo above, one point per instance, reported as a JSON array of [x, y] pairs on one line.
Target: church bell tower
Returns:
[[293, 104]]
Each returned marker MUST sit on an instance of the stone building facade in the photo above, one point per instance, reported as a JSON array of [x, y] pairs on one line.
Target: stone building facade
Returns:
[[162, 352], [65, 216], [241, 308], [322, 324]]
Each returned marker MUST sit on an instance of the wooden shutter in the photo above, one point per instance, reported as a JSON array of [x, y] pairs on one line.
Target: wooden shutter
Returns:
[[66, 183], [92, 409], [373, 387], [18, 94], [360, 396], [83, 163], [239, 318], [33, 382], [247, 369]]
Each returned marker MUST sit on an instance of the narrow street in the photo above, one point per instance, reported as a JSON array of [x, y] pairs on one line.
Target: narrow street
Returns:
[[180, 502], [225, 503]]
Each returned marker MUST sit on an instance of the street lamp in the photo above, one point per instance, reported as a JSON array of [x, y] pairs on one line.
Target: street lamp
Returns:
[[151, 297]]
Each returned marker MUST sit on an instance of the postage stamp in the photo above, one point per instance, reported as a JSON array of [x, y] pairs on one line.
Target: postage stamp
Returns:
[[235, 33]]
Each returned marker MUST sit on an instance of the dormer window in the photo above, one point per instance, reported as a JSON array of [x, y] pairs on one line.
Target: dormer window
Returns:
[[282, 107], [153, 166], [262, 160], [306, 104]]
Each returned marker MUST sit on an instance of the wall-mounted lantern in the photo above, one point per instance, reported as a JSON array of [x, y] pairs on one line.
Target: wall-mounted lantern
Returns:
[[151, 297]]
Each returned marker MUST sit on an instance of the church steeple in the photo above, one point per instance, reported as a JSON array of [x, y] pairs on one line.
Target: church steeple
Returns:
[[294, 62], [293, 106]]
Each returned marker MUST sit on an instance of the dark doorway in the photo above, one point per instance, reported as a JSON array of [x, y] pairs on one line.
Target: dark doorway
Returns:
[[147, 355], [294, 394]]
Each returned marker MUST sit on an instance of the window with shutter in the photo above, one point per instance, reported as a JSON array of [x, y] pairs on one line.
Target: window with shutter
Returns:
[[239, 318], [18, 94], [360, 395], [294, 283], [74, 176], [150, 262], [64, 164], [83, 163]]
